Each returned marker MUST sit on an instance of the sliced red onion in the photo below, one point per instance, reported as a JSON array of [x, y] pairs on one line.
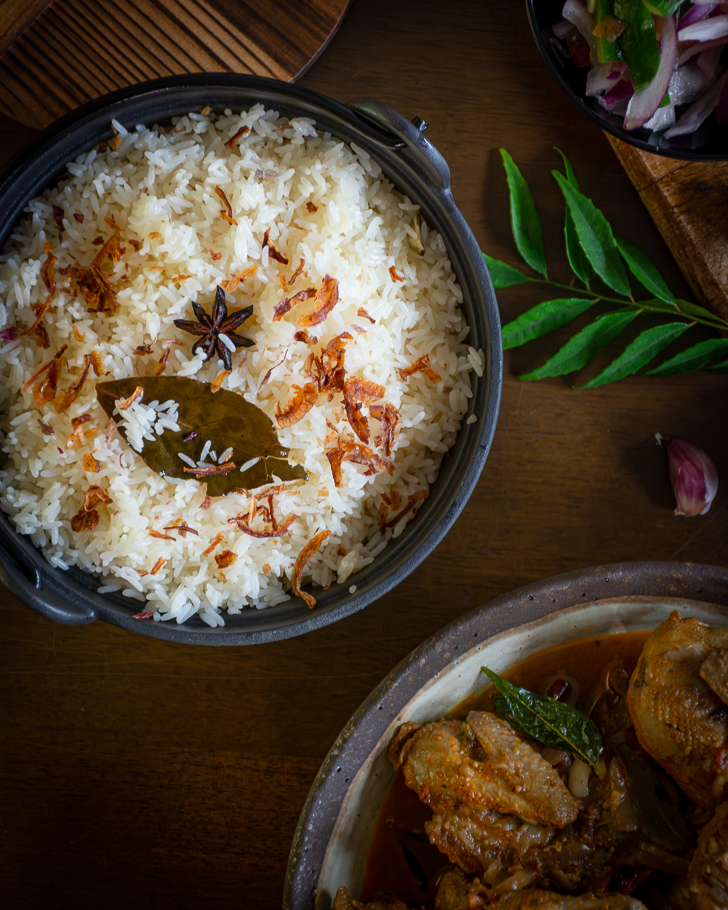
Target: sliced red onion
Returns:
[[561, 29], [709, 59], [695, 14], [622, 90], [697, 112], [645, 102], [706, 30], [687, 53], [602, 77], [577, 14], [723, 103], [687, 84], [662, 119], [693, 476]]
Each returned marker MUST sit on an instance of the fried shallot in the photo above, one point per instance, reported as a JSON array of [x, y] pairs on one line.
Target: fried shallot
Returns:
[[217, 470], [227, 212], [45, 391], [214, 542], [389, 430], [137, 393], [225, 559], [232, 284], [327, 296], [298, 406], [284, 306], [421, 365], [306, 554], [358, 392], [272, 251], [87, 516], [358, 453], [233, 140], [65, 397], [241, 522]]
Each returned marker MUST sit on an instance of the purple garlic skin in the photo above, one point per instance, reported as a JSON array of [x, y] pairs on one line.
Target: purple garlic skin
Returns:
[[693, 476]]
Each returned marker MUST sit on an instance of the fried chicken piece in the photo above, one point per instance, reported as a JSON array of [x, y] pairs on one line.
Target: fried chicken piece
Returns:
[[482, 782], [485, 763], [548, 900], [708, 874], [457, 891], [344, 901], [678, 717]]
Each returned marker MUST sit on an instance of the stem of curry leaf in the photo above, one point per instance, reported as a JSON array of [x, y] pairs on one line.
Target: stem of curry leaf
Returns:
[[717, 323]]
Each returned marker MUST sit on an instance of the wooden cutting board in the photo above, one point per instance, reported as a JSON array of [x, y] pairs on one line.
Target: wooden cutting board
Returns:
[[57, 55], [689, 204]]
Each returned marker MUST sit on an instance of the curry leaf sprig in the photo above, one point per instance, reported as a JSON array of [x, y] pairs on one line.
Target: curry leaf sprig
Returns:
[[547, 720], [593, 248]]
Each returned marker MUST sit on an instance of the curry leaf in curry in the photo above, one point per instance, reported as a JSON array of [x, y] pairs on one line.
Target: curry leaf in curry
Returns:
[[223, 417], [547, 720], [591, 244]]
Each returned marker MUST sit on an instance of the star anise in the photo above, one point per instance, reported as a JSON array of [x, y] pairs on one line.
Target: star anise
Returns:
[[215, 325]]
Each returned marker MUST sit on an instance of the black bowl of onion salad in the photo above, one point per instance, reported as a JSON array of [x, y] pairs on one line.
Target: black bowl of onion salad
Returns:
[[675, 103], [416, 169]]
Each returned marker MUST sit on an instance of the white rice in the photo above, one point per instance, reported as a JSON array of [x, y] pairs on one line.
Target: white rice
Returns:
[[159, 187]]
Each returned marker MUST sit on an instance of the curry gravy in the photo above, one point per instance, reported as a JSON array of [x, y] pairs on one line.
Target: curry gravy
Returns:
[[401, 861]]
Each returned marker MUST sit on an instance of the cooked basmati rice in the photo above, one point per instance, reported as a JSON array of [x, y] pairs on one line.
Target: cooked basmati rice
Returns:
[[325, 203]]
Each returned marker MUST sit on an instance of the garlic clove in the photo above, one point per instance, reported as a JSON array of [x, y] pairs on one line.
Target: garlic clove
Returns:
[[693, 476]]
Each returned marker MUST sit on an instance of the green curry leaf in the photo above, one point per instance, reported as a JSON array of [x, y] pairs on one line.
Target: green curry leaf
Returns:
[[547, 720], [225, 418], [595, 236], [543, 318], [584, 346], [503, 275], [641, 351], [525, 223]]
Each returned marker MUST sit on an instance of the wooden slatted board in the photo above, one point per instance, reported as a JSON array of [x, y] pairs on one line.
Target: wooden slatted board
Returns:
[[57, 55], [689, 204]]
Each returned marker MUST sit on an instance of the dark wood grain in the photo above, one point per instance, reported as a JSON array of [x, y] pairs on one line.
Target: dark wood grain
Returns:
[[687, 200], [16, 16], [53, 60], [180, 782]]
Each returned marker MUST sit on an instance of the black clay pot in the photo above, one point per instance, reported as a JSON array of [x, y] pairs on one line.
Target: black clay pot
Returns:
[[417, 169]]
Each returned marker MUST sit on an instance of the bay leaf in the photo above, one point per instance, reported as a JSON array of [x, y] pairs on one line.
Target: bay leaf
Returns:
[[225, 418]]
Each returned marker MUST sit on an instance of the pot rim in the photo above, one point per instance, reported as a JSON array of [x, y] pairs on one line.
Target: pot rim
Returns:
[[400, 149]]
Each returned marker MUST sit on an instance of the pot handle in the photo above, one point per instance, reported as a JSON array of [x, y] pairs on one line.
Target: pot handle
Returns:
[[27, 581], [409, 135]]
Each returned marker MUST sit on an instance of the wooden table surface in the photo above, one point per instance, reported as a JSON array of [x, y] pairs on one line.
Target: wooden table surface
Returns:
[[137, 773]]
